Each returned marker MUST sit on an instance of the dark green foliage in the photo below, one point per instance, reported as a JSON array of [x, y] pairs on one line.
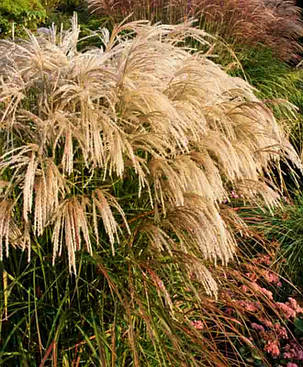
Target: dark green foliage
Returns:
[[62, 6], [285, 226], [70, 5]]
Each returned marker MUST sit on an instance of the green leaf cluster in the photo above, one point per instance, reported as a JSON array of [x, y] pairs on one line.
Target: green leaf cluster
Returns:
[[21, 13]]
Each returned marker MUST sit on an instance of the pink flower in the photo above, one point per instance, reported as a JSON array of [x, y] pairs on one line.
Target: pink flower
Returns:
[[289, 364], [244, 288], [197, 324], [287, 355], [265, 291], [272, 347], [294, 305], [267, 323], [252, 276], [249, 306], [293, 351], [270, 277], [281, 331], [265, 259], [288, 311], [234, 195]]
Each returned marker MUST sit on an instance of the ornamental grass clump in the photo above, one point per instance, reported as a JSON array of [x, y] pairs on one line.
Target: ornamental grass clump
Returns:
[[137, 141], [128, 152]]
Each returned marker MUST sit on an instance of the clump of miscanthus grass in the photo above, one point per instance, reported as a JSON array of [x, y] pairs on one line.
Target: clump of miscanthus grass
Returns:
[[75, 126], [128, 151], [274, 23]]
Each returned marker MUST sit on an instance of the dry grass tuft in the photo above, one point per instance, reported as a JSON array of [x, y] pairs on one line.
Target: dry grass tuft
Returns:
[[78, 127]]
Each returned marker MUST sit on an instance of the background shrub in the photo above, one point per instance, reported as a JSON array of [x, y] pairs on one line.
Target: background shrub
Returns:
[[21, 13]]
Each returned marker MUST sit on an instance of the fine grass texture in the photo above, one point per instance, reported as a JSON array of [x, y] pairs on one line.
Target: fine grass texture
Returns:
[[128, 151], [278, 84], [286, 228], [75, 126], [274, 23]]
